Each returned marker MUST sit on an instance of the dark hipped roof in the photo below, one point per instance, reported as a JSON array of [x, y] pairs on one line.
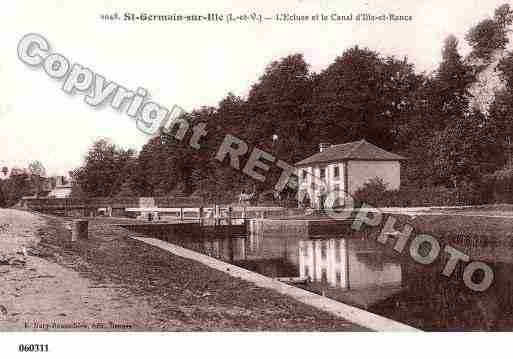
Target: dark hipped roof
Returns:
[[358, 150]]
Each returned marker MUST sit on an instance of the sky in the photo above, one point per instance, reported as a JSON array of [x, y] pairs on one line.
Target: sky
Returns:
[[186, 64]]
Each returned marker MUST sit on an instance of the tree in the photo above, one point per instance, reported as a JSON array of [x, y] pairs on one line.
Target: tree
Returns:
[[3, 201], [16, 186], [491, 34], [440, 108], [77, 192], [501, 109], [463, 151], [362, 95], [37, 174], [163, 163], [276, 107], [126, 190], [453, 80], [505, 66], [36, 168], [104, 169], [504, 16]]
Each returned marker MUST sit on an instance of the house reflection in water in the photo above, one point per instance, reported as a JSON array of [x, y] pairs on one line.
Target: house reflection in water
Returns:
[[348, 263], [336, 262]]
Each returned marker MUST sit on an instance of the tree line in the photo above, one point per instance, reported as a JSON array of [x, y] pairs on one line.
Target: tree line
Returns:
[[433, 119], [21, 182]]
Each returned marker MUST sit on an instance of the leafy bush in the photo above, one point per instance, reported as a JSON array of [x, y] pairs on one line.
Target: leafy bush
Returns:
[[498, 186], [375, 193]]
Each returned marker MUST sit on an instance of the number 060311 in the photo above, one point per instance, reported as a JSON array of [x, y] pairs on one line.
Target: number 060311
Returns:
[[33, 347]]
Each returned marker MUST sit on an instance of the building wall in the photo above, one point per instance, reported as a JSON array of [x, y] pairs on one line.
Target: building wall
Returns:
[[314, 177], [360, 172]]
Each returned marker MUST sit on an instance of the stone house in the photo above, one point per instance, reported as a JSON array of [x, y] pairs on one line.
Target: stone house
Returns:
[[343, 169]]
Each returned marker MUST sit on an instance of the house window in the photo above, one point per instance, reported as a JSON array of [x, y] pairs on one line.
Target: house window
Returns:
[[323, 173], [307, 271], [304, 174], [338, 277], [304, 249], [324, 250], [313, 186], [324, 275], [336, 172], [337, 251], [336, 188]]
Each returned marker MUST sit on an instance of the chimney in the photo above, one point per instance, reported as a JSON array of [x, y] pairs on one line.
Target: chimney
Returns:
[[324, 146]]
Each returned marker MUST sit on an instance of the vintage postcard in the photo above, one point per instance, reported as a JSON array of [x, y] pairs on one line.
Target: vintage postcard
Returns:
[[225, 166]]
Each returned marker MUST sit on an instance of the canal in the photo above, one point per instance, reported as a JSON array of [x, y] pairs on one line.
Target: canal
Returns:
[[356, 270]]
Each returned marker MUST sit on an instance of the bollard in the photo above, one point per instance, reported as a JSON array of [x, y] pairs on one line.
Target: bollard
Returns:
[[80, 230], [201, 215]]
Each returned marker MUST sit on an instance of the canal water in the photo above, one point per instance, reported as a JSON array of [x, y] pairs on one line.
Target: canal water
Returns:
[[365, 273]]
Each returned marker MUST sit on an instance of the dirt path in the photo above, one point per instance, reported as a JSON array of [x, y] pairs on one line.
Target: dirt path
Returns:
[[36, 293]]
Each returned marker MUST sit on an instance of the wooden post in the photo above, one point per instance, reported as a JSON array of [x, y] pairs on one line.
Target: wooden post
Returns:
[[80, 230], [231, 249], [200, 213]]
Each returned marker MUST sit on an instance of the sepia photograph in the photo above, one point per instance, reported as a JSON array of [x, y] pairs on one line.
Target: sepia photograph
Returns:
[[296, 173]]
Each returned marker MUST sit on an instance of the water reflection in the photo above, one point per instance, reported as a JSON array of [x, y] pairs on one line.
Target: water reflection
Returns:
[[364, 273], [357, 271], [347, 263]]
